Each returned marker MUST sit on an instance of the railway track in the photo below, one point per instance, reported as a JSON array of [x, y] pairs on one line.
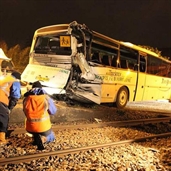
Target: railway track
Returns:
[[28, 159], [99, 124], [60, 153]]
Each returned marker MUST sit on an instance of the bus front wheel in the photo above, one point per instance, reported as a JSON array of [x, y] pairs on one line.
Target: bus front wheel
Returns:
[[122, 98]]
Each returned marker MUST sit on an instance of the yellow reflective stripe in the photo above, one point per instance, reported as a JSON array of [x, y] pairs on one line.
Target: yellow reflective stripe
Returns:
[[38, 120], [4, 87]]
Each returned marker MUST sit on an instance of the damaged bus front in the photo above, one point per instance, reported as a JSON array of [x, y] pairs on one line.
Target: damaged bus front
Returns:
[[59, 60]]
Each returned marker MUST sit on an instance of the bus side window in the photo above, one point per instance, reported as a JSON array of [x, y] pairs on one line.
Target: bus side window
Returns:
[[169, 71], [142, 67], [123, 63], [95, 58], [114, 61], [110, 60], [131, 65], [142, 63], [105, 60], [169, 74]]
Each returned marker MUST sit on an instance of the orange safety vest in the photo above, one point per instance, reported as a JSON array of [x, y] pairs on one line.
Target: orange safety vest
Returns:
[[5, 84], [37, 118]]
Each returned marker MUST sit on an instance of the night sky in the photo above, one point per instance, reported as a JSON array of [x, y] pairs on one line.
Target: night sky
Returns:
[[142, 22]]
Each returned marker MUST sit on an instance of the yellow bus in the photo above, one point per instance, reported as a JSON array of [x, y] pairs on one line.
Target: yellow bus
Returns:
[[89, 67]]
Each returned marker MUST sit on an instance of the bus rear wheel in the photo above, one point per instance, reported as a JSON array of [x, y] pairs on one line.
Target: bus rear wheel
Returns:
[[122, 98]]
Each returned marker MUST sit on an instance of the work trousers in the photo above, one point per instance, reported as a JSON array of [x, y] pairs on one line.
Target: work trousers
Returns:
[[4, 117], [48, 134]]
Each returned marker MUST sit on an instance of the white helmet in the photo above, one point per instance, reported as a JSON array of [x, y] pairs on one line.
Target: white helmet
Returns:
[[2, 55]]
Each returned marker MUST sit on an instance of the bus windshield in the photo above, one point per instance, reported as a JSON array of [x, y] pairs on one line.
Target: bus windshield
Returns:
[[50, 44]]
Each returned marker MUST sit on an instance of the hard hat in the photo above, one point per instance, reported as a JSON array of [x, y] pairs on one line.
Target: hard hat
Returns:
[[2, 55]]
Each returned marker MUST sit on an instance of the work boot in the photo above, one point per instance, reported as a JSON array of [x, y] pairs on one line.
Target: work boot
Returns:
[[38, 141], [2, 138]]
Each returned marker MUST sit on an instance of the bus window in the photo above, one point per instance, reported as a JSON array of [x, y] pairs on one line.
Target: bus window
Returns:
[[153, 65], [131, 65], [164, 69], [51, 44], [128, 58], [105, 60], [142, 67], [95, 57], [54, 44], [114, 61], [158, 67], [124, 63], [169, 71], [110, 60], [169, 74], [142, 64]]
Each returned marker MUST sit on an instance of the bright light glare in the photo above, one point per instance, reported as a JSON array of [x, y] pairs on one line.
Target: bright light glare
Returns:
[[128, 72], [51, 91], [128, 44]]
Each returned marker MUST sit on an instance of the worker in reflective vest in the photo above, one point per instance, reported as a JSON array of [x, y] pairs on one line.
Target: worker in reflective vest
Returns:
[[9, 94], [38, 107]]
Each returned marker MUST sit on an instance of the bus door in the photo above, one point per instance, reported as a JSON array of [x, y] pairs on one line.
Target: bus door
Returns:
[[141, 77]]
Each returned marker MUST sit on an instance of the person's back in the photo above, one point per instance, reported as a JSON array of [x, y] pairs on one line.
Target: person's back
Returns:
[[37, 107], [9, 95], [36, 111], [5, 84]]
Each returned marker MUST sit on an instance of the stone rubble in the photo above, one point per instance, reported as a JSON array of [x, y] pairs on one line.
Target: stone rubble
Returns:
[[152, 155]]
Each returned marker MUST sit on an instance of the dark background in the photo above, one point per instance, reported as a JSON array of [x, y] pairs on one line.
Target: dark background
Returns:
[[142, 22]]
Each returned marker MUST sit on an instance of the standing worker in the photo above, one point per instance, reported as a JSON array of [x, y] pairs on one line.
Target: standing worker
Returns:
[[9, 94], [37, 107]]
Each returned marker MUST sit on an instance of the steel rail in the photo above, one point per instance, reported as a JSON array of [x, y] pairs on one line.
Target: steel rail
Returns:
[[101, 124], [60, 153]]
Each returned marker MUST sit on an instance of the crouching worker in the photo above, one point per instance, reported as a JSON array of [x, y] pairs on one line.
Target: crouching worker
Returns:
[[38, 107]]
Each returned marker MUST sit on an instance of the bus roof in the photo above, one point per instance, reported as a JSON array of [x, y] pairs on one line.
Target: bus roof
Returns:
[[64, 27], [52, 29], [128, 44]]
